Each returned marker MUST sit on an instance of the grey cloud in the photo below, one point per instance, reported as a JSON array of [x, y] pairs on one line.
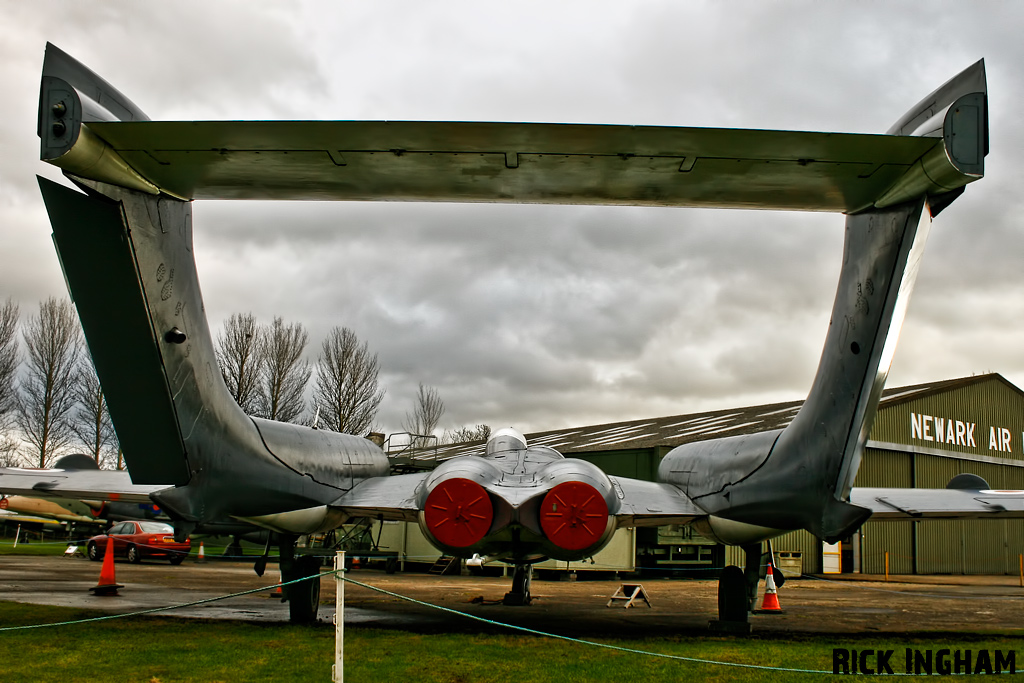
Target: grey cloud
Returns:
[[539, 316]]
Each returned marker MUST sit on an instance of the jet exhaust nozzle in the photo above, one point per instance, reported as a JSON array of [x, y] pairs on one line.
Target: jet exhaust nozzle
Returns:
[[458, 512], [574, 515], [520, 503]]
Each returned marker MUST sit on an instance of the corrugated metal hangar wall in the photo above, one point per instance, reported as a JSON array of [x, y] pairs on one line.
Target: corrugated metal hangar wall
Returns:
[[923, 436], [924, 441]]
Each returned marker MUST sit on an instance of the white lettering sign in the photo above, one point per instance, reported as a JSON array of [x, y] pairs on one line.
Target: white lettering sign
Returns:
[[999, 439], [953, 432]]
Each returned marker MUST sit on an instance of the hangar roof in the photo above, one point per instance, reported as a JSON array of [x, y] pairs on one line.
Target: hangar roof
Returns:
[[679, 429]]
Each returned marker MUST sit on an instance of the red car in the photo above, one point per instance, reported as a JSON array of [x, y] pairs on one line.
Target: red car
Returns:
[[137, 540]]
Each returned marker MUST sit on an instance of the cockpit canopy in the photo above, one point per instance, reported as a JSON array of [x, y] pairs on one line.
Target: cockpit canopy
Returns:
[[505, 439]]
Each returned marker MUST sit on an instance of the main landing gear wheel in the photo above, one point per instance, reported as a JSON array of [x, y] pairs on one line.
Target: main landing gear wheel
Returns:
[[234, 549], [733, 604], [177, 558], [737, 591], [304, 596], [732, 595]]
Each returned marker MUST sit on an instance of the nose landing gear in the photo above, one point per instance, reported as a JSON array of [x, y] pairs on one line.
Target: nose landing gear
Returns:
[[520, 593]]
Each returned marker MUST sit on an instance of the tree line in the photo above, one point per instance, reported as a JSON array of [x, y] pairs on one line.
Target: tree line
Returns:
[[50, 396], [51, 401], [264, 370], [265, 373]]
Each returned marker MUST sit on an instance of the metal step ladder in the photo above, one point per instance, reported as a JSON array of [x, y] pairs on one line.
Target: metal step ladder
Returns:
[[444, 565]]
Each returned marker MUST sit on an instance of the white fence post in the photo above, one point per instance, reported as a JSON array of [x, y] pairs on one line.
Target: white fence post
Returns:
[[17, 534], [338, 672]]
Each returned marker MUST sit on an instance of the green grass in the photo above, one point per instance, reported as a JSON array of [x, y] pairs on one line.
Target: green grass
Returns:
[[169, 650], [34, 548], [212, 549]]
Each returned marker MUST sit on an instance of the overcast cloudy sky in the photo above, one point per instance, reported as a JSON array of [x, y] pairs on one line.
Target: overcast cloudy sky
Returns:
[[537, 316]]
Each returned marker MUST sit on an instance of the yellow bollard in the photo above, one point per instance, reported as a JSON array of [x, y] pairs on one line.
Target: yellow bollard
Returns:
[[1021, 558], [887, 566]]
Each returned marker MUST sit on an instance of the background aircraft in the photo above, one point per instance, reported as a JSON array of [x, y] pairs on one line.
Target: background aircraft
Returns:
[[80, 512], [125, 243]]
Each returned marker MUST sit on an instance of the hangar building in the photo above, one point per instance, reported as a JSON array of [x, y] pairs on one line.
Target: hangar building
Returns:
[[923, 436]]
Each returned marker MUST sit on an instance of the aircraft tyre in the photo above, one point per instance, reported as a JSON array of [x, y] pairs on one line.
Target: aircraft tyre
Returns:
[[304, 597], [177, 558], [732, 595], [134, 556], [93, 552]]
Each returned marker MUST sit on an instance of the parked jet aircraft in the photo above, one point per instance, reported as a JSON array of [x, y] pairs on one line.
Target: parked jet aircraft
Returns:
[[34, 522], [124, 239], [78, 512], [50, 509]]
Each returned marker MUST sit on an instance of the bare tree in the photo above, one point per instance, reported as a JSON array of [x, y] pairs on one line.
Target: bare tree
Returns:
[[283, 373], [466, 434], [53, 341], [426, 412], [239, 359], [8, 391], [8, 358], [9, 452], [346, 395], [92, 422]]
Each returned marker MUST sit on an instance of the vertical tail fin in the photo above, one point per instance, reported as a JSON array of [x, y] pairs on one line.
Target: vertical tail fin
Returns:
[[99, 264]]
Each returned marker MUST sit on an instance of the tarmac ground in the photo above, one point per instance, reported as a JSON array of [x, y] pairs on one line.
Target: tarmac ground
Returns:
[[845, 604]]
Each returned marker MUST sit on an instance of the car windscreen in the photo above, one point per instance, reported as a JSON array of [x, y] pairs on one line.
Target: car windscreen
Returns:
[[156, 528]]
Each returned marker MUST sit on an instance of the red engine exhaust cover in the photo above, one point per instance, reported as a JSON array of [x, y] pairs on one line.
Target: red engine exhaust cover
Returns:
[[458, 512], [574, 515]]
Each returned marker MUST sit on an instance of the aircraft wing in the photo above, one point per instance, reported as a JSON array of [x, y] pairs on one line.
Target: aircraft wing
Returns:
[[648, 503], [906, 503], [108, 485], [391, 497]]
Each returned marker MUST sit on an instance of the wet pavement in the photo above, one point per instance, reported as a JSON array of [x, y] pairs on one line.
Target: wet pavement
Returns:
[[852, 604]]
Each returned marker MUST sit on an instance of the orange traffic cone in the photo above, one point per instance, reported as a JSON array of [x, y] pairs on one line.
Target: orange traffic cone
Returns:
[[108, 585], [202, 553], [770, 605]]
